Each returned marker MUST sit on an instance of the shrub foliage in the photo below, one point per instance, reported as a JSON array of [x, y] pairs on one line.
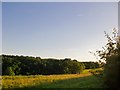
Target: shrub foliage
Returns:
[[111, 55]]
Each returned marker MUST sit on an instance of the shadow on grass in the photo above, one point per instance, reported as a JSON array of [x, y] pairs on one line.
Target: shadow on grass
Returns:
[[88, 82]]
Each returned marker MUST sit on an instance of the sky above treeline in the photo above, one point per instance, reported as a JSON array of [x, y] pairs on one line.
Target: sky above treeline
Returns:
[[57, 29]]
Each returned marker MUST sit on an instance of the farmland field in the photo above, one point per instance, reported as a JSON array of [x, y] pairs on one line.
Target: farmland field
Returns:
[[84, 80]]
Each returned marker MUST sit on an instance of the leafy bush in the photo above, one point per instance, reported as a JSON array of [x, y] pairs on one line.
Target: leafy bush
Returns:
[[111, 55], [10, 71]]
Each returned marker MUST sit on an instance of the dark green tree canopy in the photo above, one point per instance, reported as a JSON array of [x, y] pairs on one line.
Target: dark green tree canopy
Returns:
[[25, 65]]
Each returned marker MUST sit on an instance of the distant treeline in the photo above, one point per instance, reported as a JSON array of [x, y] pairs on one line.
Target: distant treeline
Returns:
[[26, 65]]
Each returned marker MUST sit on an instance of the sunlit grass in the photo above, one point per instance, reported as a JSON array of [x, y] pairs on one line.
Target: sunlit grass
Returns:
[[64, 80], [89, 70], [33, 80], [0, 82]]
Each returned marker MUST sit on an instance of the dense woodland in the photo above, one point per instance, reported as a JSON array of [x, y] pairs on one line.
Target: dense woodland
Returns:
[[26, 65]]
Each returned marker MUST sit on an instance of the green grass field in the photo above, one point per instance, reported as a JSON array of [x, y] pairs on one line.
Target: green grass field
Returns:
[[83, 80]]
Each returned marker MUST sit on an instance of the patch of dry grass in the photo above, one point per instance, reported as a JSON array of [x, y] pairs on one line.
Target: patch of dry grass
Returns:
[[34, 80]]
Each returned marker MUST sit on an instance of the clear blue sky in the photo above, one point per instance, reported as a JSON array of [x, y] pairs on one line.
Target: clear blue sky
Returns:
[[57, 30]]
